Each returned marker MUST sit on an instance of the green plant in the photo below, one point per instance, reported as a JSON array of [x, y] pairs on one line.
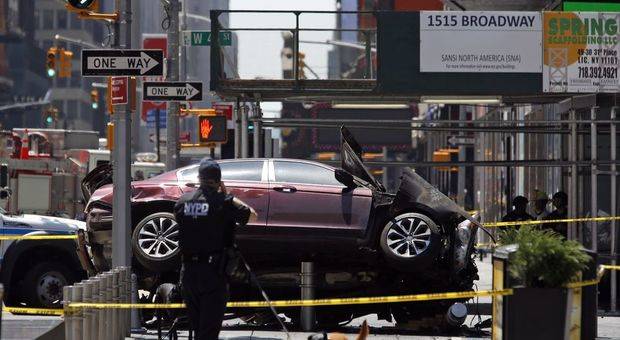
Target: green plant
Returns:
[[544, 259]]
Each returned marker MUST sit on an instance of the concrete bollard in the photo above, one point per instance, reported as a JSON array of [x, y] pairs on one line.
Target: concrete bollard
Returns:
[[68, 315], [87, 293], [120, 311], [135, 313], [108, 299], [127, 299], [78, 319], [115, 299], [127, 315], [101, 328]]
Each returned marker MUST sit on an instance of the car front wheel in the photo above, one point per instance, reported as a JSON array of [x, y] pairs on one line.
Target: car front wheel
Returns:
[[155, 242], [410, 241]]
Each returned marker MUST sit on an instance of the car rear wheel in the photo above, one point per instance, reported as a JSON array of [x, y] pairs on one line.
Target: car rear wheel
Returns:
[[410, 241], [43, 284], [155, 242]]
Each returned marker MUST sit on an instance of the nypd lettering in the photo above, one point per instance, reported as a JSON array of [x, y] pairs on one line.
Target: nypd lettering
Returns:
[[196, 209]]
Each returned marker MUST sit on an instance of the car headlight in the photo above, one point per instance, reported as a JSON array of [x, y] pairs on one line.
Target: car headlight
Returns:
[[463, 234], [461, 244]]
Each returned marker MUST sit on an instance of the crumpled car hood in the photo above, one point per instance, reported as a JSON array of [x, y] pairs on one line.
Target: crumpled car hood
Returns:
[[141, 191], [414, 188]]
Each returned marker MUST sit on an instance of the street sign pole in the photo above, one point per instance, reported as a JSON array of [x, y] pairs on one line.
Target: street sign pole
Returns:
[[121, 221], [157, 131], [172, 117]]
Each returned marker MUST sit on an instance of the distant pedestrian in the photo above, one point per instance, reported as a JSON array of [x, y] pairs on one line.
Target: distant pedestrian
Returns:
[[539, 209], [518, 213], [560, 202]]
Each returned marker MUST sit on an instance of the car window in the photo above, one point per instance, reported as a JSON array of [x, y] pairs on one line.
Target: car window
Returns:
[[231, 171], [295, 172], [242, 171]]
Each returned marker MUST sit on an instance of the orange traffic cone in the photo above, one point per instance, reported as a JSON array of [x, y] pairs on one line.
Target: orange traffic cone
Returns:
[[23, 152]]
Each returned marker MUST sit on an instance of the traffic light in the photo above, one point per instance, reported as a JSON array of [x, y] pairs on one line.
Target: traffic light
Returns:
[[50, 63], [50, 116], [212, 129], [64, 70], [94, 99], [91, 5]]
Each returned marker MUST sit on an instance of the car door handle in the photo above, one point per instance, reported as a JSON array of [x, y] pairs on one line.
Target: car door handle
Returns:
[[287, 189]]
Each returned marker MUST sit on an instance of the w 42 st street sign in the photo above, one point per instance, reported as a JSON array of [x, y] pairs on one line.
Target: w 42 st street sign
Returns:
[[203, 38], [122, 63]]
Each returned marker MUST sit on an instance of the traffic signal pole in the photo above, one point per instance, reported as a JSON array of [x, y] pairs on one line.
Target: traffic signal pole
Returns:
[[121, 161], [172, 116]]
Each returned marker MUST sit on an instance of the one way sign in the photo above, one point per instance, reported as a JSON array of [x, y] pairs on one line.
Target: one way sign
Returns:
[[122, 63], [172, 91]]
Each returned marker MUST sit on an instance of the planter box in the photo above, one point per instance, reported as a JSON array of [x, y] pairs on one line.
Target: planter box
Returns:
[[535, 313]]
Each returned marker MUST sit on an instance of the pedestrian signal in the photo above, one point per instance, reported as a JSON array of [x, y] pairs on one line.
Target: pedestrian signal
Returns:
[[212, 129]]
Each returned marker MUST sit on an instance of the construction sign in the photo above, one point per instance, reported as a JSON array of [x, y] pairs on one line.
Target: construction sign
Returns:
[[212, 129], [580, 52]]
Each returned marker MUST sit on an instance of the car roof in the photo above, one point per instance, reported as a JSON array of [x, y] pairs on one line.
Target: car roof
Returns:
[[233, 160]]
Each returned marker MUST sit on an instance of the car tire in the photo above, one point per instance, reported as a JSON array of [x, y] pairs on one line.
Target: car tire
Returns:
[[410, 241], [155, 242], [43, 284]]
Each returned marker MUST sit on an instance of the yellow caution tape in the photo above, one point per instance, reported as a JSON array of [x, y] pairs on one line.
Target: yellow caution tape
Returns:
[[37, 237], [36, 311], [607, 266], [305, 303], [583, 283], [565, 220]]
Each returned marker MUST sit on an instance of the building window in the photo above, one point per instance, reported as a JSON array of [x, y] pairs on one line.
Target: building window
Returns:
[[46, 44], [72, 109], [48, 19], [61, 17], [76, 23]]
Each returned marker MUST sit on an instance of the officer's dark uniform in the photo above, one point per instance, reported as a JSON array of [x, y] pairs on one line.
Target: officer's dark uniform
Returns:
[[207, 219]]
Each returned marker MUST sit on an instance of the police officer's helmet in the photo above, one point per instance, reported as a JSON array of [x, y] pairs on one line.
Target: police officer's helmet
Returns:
[[209, 170]]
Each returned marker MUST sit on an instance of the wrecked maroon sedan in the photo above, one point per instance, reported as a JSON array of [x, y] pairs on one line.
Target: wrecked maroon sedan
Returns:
[[363, 240]]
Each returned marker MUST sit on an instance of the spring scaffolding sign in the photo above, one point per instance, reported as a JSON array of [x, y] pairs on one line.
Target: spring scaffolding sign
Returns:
[[580, 52]]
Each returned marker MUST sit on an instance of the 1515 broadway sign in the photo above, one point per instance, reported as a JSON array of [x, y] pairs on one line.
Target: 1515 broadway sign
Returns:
[[480, 42], [580, 51]]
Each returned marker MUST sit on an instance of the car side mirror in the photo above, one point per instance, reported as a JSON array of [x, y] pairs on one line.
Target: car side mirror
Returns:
[[345, 178]]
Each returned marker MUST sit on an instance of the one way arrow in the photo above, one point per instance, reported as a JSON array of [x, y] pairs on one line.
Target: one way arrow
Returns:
[[144, 63], [191, 91]]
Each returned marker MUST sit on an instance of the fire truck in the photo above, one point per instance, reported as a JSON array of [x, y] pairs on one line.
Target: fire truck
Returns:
[[45, 168]]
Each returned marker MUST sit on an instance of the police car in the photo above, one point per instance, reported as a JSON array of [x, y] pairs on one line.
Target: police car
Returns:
[[33, 272]]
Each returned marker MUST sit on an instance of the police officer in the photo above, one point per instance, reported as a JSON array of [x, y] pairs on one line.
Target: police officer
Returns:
[[207, 218]]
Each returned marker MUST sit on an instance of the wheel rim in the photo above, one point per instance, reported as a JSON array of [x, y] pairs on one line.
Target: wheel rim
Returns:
[[49, 288], [159, 237], [408, 236]]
